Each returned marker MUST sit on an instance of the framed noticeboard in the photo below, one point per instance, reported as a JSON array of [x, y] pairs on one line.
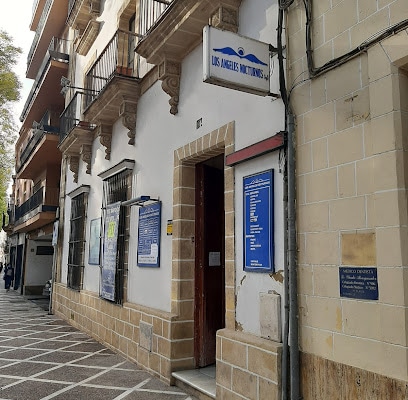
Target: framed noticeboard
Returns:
[[110, 243], [258, 193], [148, 243], [94, 241]]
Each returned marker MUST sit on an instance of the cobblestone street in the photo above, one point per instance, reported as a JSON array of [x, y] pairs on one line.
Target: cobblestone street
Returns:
[[43, 357]]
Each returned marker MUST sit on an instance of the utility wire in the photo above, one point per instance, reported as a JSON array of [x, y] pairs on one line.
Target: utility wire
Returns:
[[336, 62]]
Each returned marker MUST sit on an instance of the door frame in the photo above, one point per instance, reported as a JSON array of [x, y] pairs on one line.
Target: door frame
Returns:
[[221, 140]]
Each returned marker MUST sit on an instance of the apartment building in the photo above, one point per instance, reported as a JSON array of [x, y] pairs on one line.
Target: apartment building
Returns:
[[35, 192]]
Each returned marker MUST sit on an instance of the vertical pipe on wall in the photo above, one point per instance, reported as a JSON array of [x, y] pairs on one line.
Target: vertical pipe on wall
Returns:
[[292, 260], [285, 348], [291, 327]]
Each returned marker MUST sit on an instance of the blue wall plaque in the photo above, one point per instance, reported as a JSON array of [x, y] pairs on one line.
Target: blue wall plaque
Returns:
[[358, 283], [148, 244], [110, 244], [258, 222]]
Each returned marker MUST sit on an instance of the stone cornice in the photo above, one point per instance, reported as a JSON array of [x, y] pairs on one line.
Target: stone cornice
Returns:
[[180, 28], [88, 37], [118, 100], [82, 12], [178, 31], [80, 135]]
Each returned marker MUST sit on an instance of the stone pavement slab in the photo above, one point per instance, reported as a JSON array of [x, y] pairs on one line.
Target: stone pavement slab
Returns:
[[42, 357]]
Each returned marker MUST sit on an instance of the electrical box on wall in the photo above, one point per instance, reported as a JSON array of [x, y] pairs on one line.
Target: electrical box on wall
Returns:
[[270, 316]]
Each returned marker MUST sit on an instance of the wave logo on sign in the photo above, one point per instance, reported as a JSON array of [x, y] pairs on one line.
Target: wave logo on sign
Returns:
[[241, 54]]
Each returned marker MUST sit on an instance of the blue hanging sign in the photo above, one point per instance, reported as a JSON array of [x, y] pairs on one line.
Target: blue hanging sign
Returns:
[[148, 244], [110, 242], [258, 222]]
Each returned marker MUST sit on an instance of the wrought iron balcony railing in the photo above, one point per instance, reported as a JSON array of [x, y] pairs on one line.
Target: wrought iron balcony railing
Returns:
[[71, 116], [58, 50], [117, 59], [71, 5], [37, 202], [150, 12], [38, 31], [32, 203], [38, 133]]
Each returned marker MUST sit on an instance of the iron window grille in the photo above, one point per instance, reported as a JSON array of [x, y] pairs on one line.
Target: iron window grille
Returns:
[[77, 241], [117, 188]]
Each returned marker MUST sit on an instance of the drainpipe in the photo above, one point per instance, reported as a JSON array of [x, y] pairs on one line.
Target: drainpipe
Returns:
[[292, 263], [285, 347], [291, 327]]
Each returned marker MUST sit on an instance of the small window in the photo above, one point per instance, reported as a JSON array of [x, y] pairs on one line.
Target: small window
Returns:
[[77, 241], [45, 251]]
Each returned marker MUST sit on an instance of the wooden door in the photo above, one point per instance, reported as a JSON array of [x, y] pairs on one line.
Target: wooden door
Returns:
[[210, 262]]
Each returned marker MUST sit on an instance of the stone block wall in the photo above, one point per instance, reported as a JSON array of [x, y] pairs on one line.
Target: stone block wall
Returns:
[[143, 335], [351, 125], [248, 367]]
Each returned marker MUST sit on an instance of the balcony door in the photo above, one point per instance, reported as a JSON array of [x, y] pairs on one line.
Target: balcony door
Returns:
[[131, 44]]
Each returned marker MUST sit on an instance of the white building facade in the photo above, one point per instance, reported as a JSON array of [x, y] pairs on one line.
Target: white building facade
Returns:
[[171, 234]]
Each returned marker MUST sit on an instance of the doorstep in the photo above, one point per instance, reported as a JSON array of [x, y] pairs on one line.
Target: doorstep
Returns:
[[200, 381]]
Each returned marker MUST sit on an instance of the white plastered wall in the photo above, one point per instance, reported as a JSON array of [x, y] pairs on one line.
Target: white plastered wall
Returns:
[[158, 134]]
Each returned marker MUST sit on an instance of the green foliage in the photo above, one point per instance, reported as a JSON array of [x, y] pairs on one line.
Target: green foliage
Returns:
[[9, 93]]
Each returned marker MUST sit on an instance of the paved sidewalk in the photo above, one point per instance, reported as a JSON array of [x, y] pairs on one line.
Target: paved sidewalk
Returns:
[[43, 357]]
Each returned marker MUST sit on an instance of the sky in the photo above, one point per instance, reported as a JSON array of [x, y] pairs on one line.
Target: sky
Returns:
[[15, 18]]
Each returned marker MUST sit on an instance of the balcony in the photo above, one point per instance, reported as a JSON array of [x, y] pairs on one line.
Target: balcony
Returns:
[[112, 85], [76, 135], [41, 150], [150, 12], [39, 210], [82, 17], [80, 12], [38, 6], [45, 92], [170, 36], [50, 24]]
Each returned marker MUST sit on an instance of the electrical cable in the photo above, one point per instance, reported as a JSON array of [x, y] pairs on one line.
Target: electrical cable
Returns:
[[336, 62]]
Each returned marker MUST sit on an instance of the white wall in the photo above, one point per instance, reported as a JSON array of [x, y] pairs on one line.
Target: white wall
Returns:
[[249, 285], [158, 134], [38, 268]]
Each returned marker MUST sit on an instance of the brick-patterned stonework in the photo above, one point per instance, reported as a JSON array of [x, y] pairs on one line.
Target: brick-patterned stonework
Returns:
[[247, 366], [351, 125], [214, 143], [119, 327]]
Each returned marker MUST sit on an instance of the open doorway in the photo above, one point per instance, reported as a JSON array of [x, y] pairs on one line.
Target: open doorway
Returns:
[[209, 291]]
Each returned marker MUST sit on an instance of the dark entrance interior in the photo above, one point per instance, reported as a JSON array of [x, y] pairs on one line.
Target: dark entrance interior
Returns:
[[16, 260], [209, 313]]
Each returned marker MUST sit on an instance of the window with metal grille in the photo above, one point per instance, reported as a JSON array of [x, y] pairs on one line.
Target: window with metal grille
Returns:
[[117, 188], [77, 241]]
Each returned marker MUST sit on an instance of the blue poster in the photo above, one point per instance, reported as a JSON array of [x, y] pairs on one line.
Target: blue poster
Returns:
[[258, 222], [148, 244], [110, 242]]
